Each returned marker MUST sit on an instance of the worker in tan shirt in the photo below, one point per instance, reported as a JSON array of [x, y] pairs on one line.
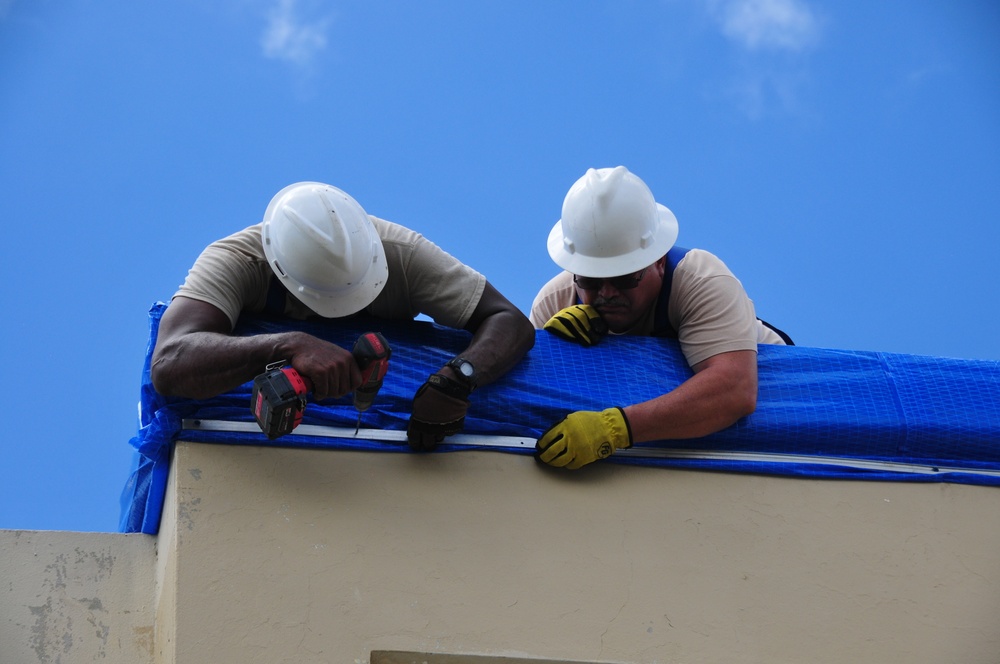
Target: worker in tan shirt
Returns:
[[318, 254], [622, 274]]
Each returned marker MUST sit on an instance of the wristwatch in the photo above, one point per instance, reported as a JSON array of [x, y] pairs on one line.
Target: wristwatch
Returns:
[[465, 371]]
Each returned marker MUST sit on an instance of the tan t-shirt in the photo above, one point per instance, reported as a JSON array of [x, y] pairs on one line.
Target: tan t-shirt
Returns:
[[233, 275], [708, 307]]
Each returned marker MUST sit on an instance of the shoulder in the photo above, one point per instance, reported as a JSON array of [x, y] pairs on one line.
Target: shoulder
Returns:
[[247, 240], [396, 234], [231, 273], [423, 278], [557, 294], [700, 279], [408, 248], [709, 308], [242, 248], [561, 283], [699, 263]]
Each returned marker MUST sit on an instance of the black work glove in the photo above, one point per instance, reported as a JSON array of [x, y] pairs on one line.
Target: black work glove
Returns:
[[439, 409]]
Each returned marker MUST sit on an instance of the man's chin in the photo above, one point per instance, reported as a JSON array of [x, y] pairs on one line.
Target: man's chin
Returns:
[[617, 319]]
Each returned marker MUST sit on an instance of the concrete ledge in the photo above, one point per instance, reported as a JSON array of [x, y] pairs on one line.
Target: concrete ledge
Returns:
[[76, 597]]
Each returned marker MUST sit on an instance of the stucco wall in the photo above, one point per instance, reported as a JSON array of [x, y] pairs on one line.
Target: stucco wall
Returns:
[[318, 556], [275, 555], [70, 598]]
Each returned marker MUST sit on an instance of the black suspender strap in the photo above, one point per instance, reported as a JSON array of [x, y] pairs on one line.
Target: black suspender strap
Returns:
[[661, 321]]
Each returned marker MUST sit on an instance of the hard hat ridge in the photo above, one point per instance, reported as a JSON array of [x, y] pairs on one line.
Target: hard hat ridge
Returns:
[[611, 225]]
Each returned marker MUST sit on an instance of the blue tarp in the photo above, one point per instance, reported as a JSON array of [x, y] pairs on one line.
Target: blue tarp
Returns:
[[821, 413]]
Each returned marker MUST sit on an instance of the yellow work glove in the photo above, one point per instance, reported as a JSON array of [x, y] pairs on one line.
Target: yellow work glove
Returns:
[[580, 323], [584, 437]]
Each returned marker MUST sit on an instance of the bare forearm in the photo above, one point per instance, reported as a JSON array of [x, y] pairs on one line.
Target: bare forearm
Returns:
[[499, 344], [200, 365], [707, 402], [672, 416]]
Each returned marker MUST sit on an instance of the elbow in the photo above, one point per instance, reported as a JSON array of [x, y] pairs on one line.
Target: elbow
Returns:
[[737, 397], [744, 401], [166, 375], [526, 333], [732, 411], [160, 377], [170, 382], [746, 405], [516, 331], [522, 335]]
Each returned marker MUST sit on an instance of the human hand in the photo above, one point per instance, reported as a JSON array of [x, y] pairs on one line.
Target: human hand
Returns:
[[580, 323], [330, 369], [439, 409], [584, 437]]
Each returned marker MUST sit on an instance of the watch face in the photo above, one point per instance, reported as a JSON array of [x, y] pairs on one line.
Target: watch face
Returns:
[[463, 368]]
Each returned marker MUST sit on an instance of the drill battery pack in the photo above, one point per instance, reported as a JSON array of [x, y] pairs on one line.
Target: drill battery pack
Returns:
[[279, 400]]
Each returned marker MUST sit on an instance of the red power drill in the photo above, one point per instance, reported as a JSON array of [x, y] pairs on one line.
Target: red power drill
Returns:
[[371, 352], [278, 399], [279, 394]]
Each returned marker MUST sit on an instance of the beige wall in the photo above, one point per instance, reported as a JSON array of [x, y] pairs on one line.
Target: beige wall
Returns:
[[274, 555], [323, 556], [69, 598]]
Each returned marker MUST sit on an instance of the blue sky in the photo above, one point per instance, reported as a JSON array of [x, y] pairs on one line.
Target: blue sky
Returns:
[[843, 158]]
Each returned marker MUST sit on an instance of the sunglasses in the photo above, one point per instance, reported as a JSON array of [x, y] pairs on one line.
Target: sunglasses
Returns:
[[625, 282]]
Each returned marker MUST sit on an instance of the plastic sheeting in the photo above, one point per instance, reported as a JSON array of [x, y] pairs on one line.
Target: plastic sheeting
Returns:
[[821, 413]]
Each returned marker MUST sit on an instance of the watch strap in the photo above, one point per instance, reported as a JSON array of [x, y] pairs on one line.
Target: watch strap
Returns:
[[449, 386]]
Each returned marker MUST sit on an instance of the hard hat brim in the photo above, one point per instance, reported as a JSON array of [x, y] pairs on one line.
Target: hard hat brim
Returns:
[[613, 266]]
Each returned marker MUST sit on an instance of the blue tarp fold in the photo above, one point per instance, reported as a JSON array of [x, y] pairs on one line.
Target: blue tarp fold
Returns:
[[821, 413]]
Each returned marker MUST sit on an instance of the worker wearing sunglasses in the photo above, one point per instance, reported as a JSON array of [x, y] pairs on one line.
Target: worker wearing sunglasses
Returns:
[[623, 274]]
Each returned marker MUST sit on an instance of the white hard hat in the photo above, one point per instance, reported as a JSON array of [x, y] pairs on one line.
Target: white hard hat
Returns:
[[611, 226], [324, 248]]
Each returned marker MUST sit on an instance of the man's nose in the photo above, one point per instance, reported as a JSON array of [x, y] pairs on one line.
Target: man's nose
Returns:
[[607, 290]]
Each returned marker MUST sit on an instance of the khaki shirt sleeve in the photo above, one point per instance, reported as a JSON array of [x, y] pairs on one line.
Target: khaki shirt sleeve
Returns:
[[425, 279], [231, 274], [710, 309]]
